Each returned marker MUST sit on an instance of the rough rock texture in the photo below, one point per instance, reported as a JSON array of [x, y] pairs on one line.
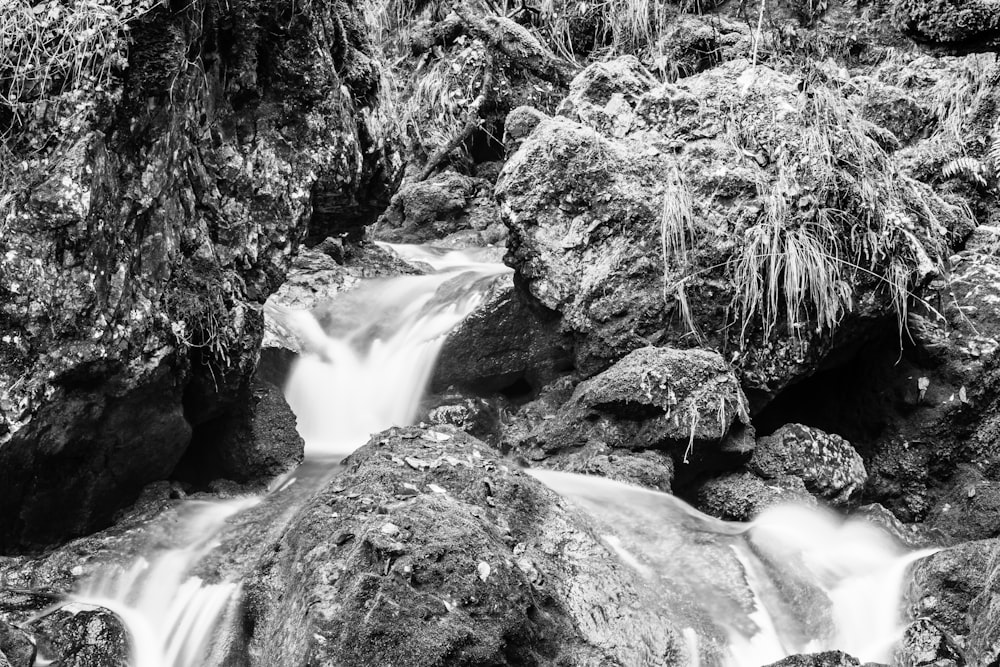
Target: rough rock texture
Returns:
[[508, 343], [946, 584], [969, 509], [825, 659], [591, 236], [448, 206], [480, 566], [827, 463], [970, 24], [924, 644], [258, 442], [679, 401], [135, 267], [742, 496], [65, 633]]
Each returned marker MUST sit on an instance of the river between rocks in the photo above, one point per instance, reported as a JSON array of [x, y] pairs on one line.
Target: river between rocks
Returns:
[[367, 369]]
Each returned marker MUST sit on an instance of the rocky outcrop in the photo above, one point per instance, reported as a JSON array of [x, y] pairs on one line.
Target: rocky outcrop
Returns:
[[826, 463], [964, 24], [636, 214], [134, 271], [825, 659], [448, 208], [58, 630], [431, 550], [507, 344], [683, 402], [742, 496]]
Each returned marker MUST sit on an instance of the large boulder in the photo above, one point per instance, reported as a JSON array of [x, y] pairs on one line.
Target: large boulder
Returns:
[[431, 550], [139, 246], [653, 217], [825, 462]]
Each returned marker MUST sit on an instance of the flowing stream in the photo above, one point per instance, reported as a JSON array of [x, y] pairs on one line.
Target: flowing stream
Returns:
[[806, 580]]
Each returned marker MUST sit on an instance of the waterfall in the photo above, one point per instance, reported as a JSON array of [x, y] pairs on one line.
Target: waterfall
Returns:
[[353, 379], [794, 580], [816, 581]]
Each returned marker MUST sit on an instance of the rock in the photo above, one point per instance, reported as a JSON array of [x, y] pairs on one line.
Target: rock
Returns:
[[84, 638], [477, 416], [505, 345], [894, 109], [945, 585], [742, 496], [693, 44], [912, 536], [650, 469], [654, 398], [259, 443], [970, 24], [970, 508], [825, 659], [16, 647], [444, 204], [422, 596], [132, 279], [592, 239], [925, 644], [520, 123], [827, 463]]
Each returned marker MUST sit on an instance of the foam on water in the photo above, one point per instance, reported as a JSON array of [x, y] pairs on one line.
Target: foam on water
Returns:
[[354, 378]]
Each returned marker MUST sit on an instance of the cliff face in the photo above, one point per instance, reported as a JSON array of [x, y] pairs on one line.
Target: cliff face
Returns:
[[148, 215]]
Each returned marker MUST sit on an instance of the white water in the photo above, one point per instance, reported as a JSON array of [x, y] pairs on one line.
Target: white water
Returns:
[[855, 570], [362, 379], [366, 362]]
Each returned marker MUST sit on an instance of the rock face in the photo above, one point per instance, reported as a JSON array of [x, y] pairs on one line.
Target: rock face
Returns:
[[91, 637], [971, 24], [430, 550], [677, 401], [136, 263], [506, 344], [448, 206], [827, 463], [635, 215], [742, 496]]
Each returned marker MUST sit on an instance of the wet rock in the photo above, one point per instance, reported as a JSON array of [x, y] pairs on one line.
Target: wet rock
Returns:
[[913, 536], [15, 646], [650, 469], [970, 508], [654, 398], [946, 584], [477, 416], [84, 638], [827, 463], [261, 441], [505, 345], [742, 496], [924, 644], [484, 566], [444, 204], [128, 325], [825, 659]]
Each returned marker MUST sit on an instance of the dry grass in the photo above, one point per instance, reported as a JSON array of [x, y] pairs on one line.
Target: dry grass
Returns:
[[838, 214]]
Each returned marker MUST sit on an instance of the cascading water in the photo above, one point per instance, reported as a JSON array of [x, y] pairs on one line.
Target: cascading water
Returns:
[[353, 379], [816, 582], [795, 580]]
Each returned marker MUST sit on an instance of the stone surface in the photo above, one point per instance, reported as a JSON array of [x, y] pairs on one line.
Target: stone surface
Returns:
[[973, 24], [506, 343], [827, 463], [584, 201], [16, 646], [445, 204], [678, 401], [946, 584], [825, 659], [742, 496], [134, 270], [481, 566], [923, 644]]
